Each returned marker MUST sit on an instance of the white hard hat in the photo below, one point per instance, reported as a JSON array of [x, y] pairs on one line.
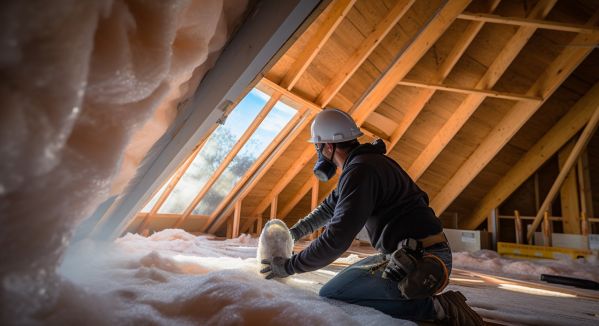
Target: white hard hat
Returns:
[[333, 126]]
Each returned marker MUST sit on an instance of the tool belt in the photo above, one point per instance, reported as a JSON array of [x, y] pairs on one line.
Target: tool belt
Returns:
[[432, 240]]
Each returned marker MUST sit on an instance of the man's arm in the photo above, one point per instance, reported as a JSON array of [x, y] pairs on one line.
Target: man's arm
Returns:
[[357, 193], [316, 219]]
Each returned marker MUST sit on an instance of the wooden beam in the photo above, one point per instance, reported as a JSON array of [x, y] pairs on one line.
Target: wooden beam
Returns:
[[299, 164], [536, 156], [569, 194], [259, 169], [572, 158], [584, 184], [274, 207], [361, 53], [296, 198], [547, 230], [333, 16], [407, 59], [469, 105], [461, 44], [545, 85], [236, 219], [468, 90], [223, 165], [536, 23]]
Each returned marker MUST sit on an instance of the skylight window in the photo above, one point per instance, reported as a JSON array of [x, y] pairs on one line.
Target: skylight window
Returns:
[[274, 122], [217, 146]]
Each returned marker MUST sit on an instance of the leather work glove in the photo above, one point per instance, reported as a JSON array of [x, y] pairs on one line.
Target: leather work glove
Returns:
[[277, 267]]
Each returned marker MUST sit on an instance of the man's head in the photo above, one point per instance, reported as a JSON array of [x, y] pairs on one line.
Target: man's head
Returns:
[[334, 134]]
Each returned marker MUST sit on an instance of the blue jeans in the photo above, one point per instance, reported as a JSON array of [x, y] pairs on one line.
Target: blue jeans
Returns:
[[362, 284]]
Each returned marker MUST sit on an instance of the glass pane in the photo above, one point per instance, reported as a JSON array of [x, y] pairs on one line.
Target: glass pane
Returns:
[[154, 199], [274, 122], [217, 146]]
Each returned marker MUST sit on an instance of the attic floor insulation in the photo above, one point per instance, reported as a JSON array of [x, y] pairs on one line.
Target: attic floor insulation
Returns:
[[173, 277]]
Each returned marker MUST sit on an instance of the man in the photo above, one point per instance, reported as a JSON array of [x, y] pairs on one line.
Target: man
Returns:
[[374, 191]]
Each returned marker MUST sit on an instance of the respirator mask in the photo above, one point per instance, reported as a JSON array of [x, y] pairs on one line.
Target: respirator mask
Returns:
[[418, 274], [324, 168]]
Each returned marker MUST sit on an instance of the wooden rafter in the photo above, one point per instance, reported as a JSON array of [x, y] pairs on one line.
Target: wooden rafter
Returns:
[[363, 51], [470, 90], [236, 148], [471, 103], [545, 85], [401, 66], [408, 59], [259, 168], [572, 158], [307, 103], [536, 23], [332, 18], [538, 154], [274, 207], [301, 193], [461, 44]]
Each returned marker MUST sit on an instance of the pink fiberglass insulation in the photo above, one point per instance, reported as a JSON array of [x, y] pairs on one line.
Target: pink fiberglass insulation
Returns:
[[86, 89]]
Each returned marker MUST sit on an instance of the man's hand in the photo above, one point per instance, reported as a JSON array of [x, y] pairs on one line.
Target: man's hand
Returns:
[[276, 267]]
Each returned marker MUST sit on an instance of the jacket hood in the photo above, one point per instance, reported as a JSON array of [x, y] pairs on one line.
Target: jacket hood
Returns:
[[376, 147]]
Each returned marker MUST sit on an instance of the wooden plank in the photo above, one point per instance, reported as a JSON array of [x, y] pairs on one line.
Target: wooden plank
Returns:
[[536, 156], [468, 90], [572, 158], [569, 194], [236, 218], [408, 59], [223, 165], [365, 49], [461, 44], [545, 85], [259, 169], [529, 22], [469, 105], [381, 122], [493, 227], [334, 14]]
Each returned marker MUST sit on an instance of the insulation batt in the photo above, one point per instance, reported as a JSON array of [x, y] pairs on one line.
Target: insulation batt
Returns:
[[86, 88], [275, 241]]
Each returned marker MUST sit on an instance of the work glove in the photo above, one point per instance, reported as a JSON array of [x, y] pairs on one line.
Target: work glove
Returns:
[[277, 267]]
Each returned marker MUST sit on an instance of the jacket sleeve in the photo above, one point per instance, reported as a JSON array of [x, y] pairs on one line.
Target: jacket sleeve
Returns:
[[316, 219], [357, 192]]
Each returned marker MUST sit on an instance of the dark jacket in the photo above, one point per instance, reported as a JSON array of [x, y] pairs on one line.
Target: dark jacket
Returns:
[[373, 191]]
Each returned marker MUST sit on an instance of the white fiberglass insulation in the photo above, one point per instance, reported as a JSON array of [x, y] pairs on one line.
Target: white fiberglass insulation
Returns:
[[173, 277], [86, 88]]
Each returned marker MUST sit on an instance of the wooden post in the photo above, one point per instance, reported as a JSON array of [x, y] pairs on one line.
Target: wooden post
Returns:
[[259, 225], [229, 228], [314, 200], [546, 230], [569, 197], [584, 184], [236, 219], [580, 144], [493, 227], [273, 207], [584, 227], [518, 222]]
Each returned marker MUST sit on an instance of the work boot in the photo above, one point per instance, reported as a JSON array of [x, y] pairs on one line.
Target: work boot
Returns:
[[457, 311]]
